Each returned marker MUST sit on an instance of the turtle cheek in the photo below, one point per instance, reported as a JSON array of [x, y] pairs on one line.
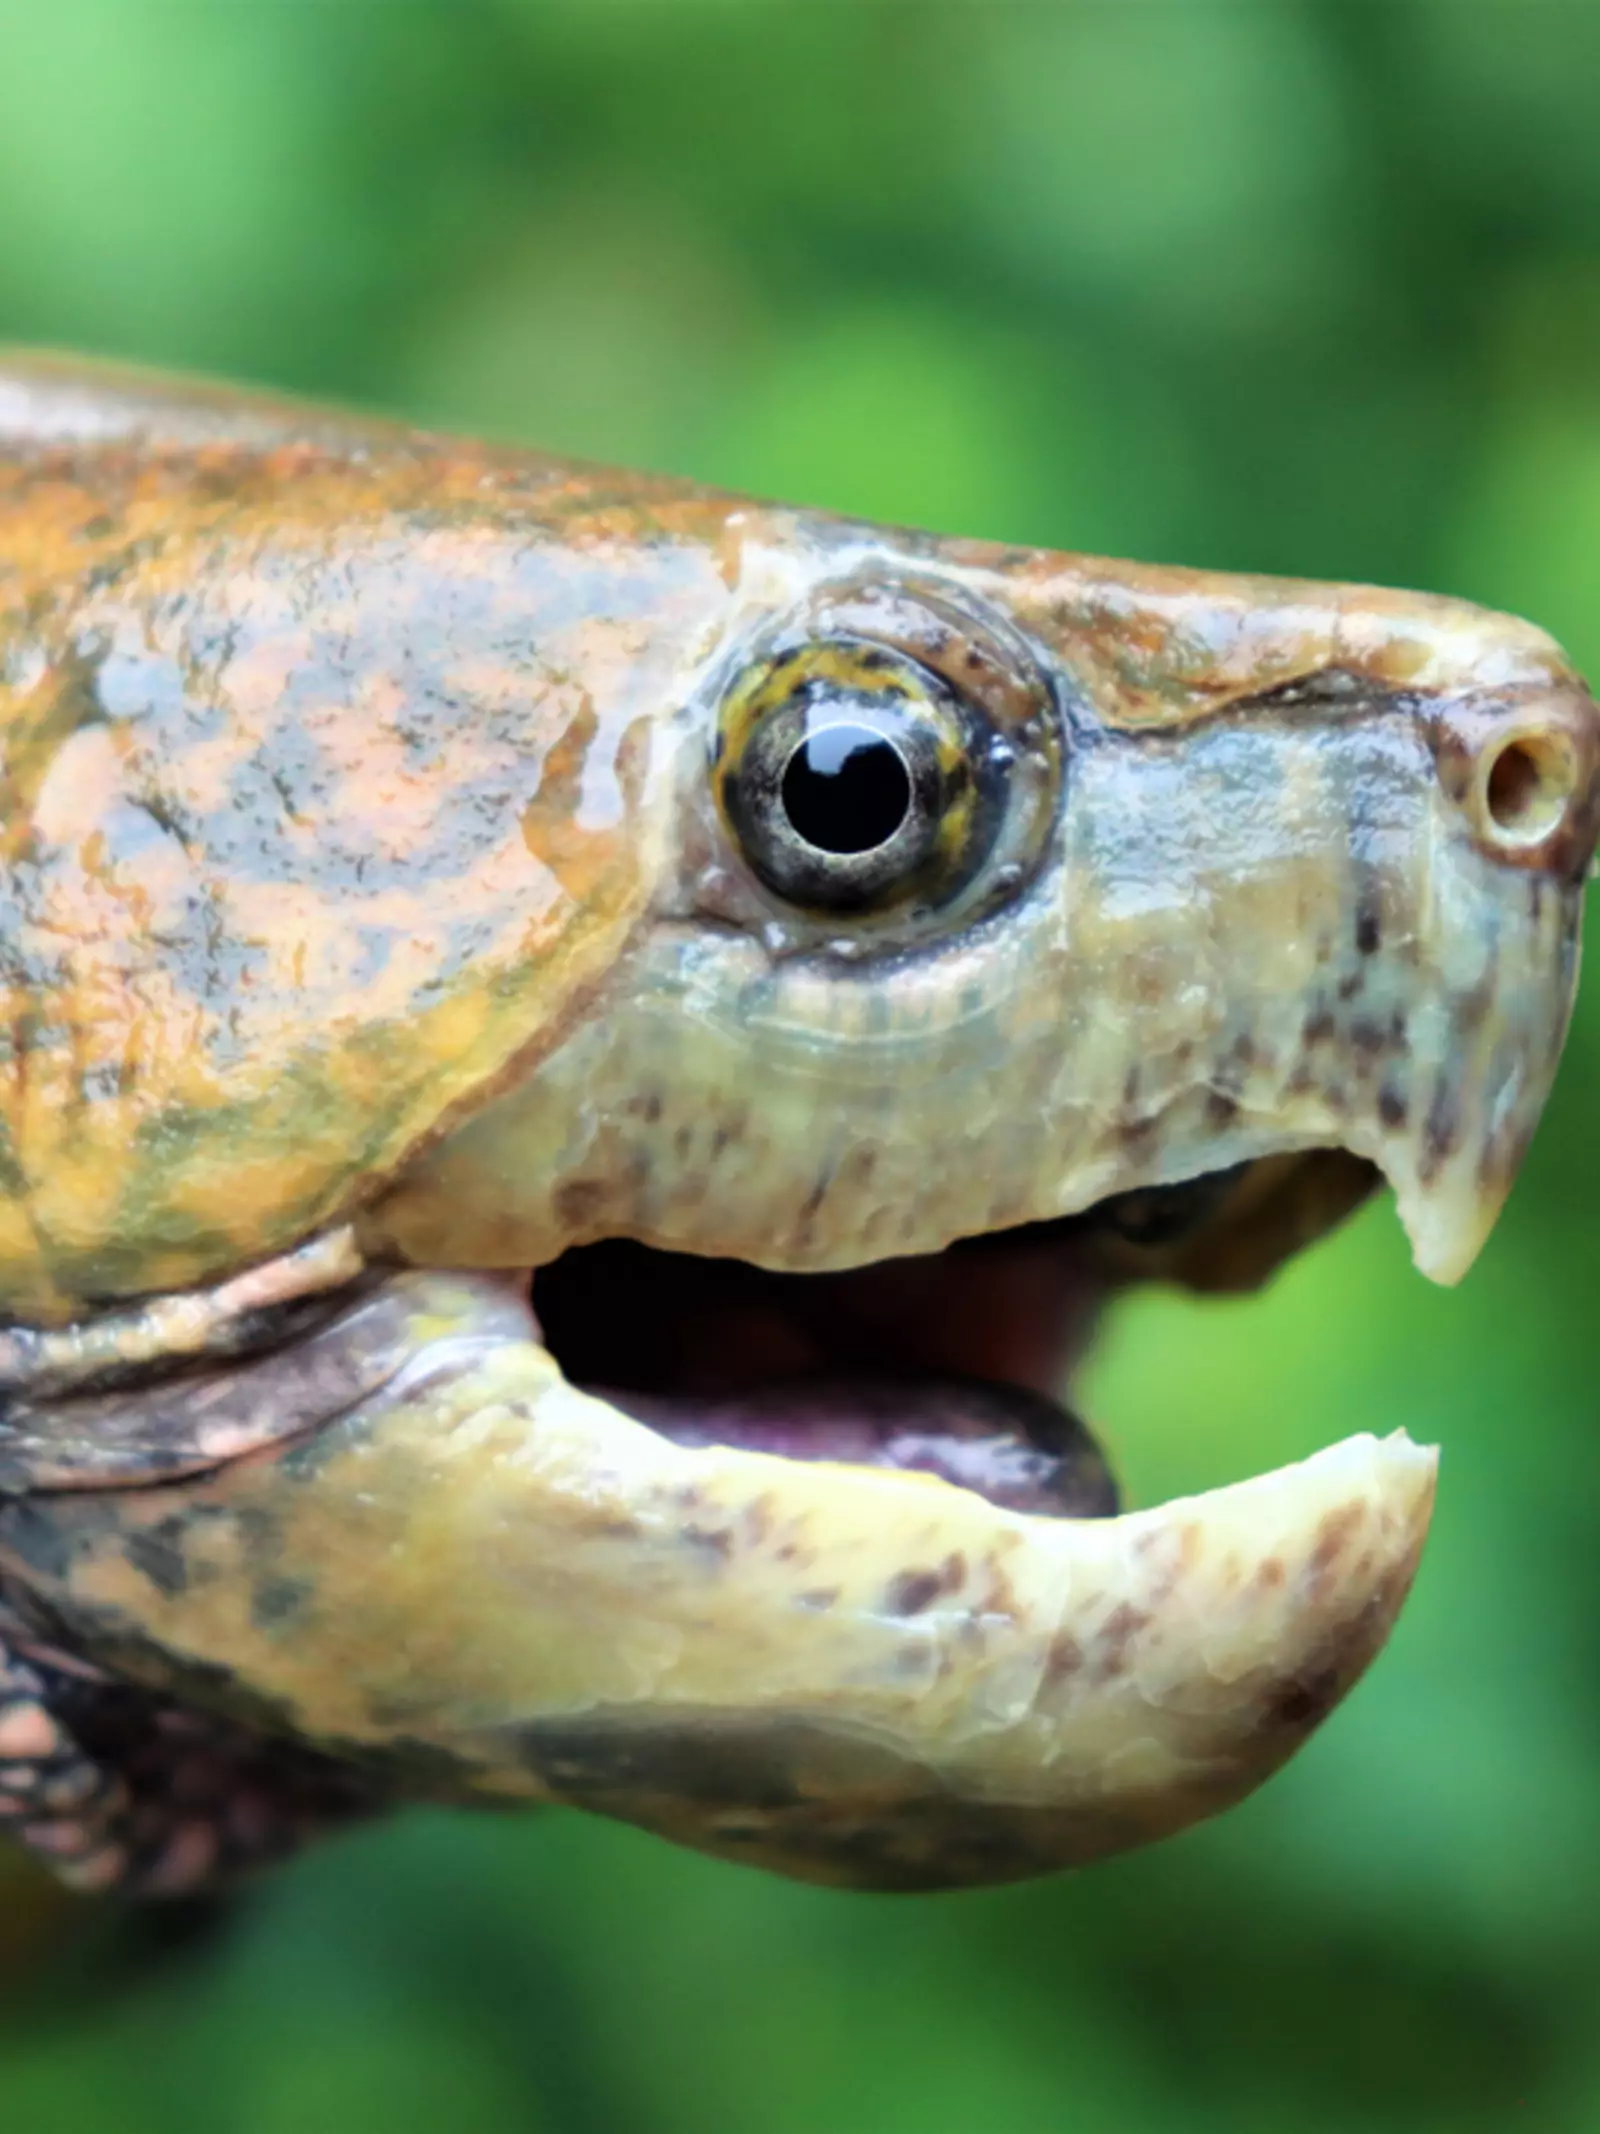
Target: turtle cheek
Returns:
[[1250, 938]]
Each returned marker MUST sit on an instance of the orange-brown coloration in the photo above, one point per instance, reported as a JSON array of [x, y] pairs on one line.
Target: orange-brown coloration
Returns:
[[320, 781]]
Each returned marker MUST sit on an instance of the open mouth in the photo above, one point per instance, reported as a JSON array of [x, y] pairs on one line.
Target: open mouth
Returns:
[[952, 1364], [813, 1570], [694, 1558]]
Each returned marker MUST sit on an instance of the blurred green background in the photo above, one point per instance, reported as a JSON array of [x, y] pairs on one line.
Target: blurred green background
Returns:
[[1298, 287]]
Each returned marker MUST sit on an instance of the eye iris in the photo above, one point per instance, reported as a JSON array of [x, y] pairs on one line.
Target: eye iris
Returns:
[[846, 789]]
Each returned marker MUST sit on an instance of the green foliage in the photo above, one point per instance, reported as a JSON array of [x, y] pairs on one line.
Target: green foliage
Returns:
[[1299, 287]]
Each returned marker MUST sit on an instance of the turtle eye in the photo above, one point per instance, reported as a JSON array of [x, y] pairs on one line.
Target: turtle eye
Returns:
[[847, 788], [855, 779]]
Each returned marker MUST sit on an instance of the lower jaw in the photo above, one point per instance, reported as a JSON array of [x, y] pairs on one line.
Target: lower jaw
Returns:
[[817, 1663]]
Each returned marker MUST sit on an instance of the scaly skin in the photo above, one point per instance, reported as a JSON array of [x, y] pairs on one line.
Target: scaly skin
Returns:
[[377, 900]]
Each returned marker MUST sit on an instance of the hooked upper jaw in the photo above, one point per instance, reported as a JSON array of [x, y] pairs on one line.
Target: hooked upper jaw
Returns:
[[1279, 868]]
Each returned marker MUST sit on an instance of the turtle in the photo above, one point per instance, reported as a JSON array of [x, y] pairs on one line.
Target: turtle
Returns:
[[580, 1058]]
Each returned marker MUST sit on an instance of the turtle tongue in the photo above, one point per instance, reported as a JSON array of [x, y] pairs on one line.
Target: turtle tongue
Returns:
[[1014, 1448]]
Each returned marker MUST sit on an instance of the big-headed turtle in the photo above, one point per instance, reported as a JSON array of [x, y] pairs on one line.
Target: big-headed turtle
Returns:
[[830, 960]]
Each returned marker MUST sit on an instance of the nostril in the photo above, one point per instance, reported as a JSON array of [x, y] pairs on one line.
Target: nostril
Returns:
[[1526, 785]]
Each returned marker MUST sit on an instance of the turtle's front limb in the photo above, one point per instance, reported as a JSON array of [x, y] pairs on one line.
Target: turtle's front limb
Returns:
[[115, 1788]]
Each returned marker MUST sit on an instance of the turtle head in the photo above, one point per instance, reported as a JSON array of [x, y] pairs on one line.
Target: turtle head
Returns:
[[992, 886], [618, 1323]]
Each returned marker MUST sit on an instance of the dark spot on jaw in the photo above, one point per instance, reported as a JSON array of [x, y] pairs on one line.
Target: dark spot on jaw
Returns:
[[1318, 1028], [814, 1199], [1065, 1657], [616, 1766], [36, 1538], [716, 1541], [278, 1601], [579, 1203], [1351, 984], [1369, 924], [1332, 1535], [646, 1107], [683, 1139], [1368, 1036], [910, 1592], [861, 1164], [161, 1558], [1501, 1157], [1000, 1599], [1117, 1633], [1302, 1703], [1441, 1132], [1473, 1007], [817, 1600], [1270, 1573], [1130, 1087], [1392, 1107], [1221, 1109], [101, 577]]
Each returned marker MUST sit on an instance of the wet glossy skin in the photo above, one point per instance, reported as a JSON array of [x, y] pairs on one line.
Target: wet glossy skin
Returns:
[[370, 862]]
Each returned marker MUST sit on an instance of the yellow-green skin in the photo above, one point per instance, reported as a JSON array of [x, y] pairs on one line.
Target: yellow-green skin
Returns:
[[323, 775], [361, 864]]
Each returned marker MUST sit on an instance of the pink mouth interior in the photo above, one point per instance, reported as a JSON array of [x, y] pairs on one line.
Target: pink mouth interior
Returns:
[[946, 1365]]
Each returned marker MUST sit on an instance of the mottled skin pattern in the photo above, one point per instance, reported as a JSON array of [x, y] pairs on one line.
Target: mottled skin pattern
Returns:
[[292, 879], [374, 887], [287, 884]]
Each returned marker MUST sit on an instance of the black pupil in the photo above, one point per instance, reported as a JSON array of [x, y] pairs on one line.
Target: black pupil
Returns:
[[846, 789]]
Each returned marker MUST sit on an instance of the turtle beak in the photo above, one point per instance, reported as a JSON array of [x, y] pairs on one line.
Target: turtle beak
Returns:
[[1316, 918], [492, 1582], [1500, 919]]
